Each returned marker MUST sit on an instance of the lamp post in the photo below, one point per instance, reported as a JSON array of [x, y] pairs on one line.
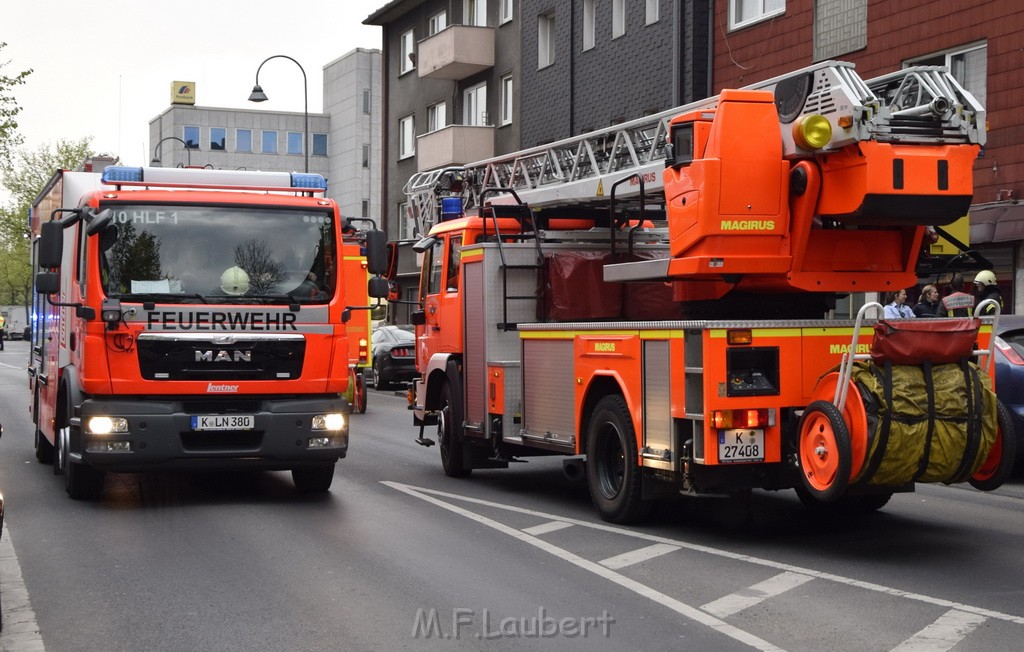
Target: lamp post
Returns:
[[258, 95], [156, 151]]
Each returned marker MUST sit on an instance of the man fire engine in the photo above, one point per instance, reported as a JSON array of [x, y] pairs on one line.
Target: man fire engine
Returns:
[[649, 300], [190, 318]]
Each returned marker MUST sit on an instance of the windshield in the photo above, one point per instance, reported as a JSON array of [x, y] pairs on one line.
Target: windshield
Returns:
[[218, 254]]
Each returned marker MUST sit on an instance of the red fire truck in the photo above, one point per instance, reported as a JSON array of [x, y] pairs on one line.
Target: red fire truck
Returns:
[[654, 301], [190, 319]]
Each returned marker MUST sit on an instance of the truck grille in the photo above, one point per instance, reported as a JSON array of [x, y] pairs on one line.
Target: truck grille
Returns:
[[244, 359], [222, 440]]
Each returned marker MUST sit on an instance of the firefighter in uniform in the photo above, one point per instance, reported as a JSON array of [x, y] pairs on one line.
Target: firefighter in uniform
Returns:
[[985, 287], [959, 303]]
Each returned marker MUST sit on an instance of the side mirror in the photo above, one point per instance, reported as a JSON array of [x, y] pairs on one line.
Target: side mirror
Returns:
[[51, 244], [376, 252], [47, 283], [97, 221], [377, 287], [417, 318]]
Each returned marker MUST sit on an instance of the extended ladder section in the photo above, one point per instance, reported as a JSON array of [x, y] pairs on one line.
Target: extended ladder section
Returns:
[[917, 105]]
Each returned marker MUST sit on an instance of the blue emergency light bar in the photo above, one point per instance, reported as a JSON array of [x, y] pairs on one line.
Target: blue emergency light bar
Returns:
[[116, 174]]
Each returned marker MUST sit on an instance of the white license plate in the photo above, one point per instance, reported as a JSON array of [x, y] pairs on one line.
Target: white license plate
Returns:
[[741, 445], [223, 422]]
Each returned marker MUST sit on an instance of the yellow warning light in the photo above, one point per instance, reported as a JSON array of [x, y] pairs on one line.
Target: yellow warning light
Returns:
[[845, 121], [812, 132]]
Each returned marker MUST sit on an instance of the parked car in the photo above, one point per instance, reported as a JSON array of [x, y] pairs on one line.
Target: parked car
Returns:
[[393, 351], [1009, 358]]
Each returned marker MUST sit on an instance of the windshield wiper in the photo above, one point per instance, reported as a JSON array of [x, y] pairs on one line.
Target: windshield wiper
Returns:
[[171, 297]]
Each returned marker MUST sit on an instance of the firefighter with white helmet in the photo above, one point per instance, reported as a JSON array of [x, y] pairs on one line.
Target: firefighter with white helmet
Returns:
[[985, 287]]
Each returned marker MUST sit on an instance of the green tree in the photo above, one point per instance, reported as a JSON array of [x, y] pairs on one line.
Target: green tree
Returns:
[[9, 109]]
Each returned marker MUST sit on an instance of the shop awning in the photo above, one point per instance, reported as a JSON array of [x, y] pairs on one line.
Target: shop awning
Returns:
[[997, 222]]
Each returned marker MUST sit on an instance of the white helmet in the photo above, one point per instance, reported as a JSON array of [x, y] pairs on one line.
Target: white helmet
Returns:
[[985, 277], [234, 280]]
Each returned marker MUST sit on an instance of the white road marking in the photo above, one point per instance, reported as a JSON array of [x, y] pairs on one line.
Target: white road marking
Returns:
[[20, 632], [637, 556], [748, 597], [767, 563], [544, 528], [944, 634], [671, 603]]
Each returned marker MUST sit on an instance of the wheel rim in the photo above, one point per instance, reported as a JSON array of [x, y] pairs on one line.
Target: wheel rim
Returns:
[[61, 451], [443, 439], [856, 417], [611, 461], [819, 452]]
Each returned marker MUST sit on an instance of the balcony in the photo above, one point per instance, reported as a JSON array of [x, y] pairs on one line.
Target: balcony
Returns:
[[456, 52], [453, 145]]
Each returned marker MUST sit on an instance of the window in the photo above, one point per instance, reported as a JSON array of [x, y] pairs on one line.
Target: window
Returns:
[[406, 137], [474, 105], [506, 100], [407, 63], [746, 12], [191, 137], [319, 144], [545, 40], [653, 9], [406, 225], [968, 66], [366, 101], [269, 142], [437, 22], [243, 140], [294, 142], [366, 157], [437, 116], [366, 208], [505, 14], [218, 137], [474, 12], [618, 18], [451, 275], [589, 24]]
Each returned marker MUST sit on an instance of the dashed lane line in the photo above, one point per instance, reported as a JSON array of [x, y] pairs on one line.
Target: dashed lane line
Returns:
[[752, 595], [944, 634], [767, 563], [637, 556], [544, 528], [641, 589], [20, 632]]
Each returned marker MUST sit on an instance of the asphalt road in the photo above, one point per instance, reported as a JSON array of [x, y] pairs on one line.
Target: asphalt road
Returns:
[[400, 557]]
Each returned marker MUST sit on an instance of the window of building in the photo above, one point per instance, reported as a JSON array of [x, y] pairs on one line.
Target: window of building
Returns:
[[545, 40], [408, 51], [407, 137], [437, 22], [319, 144], [653, 10], [968, 66], [366, 208], [366, 157], [437, 116], [746, 12], [406, 225], [191, 137], [505, 14], [474, 12], [243, 140], [366, 101], [294, 142], [618, 18], [218, 138], [269, 142], [506, 100], [474, 105], [589, 24]]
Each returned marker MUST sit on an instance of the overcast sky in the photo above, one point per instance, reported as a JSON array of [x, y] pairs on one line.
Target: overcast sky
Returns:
[[104, 68]]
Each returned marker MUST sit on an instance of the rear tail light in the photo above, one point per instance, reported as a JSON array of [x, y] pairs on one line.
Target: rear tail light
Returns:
[[364, 350], [1010, 352], [744, 418], [401, 352]]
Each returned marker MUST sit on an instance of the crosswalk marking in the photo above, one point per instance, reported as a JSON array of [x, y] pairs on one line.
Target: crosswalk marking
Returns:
[[544, 528], [944, 634], [637, 556], [752, 595]]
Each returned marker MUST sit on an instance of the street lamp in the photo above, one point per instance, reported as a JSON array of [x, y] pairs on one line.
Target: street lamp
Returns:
[[156, 151], [258, 95]]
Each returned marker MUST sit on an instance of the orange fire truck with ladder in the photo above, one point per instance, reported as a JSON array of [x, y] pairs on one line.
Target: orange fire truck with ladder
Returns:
[[653, 300], [191, 319]]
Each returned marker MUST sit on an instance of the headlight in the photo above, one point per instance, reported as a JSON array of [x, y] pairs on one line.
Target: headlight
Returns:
[[812, 132], [333, 421], [106, 425]]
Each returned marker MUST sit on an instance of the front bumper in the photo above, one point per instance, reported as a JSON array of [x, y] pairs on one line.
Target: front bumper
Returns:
[[160, 434]]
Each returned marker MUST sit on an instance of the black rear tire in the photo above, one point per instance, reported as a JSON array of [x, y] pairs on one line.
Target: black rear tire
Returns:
[[613, 468], [313, 479]]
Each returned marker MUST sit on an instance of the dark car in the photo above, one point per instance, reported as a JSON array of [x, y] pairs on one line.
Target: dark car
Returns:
[[1009, 359], [394, 356]]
